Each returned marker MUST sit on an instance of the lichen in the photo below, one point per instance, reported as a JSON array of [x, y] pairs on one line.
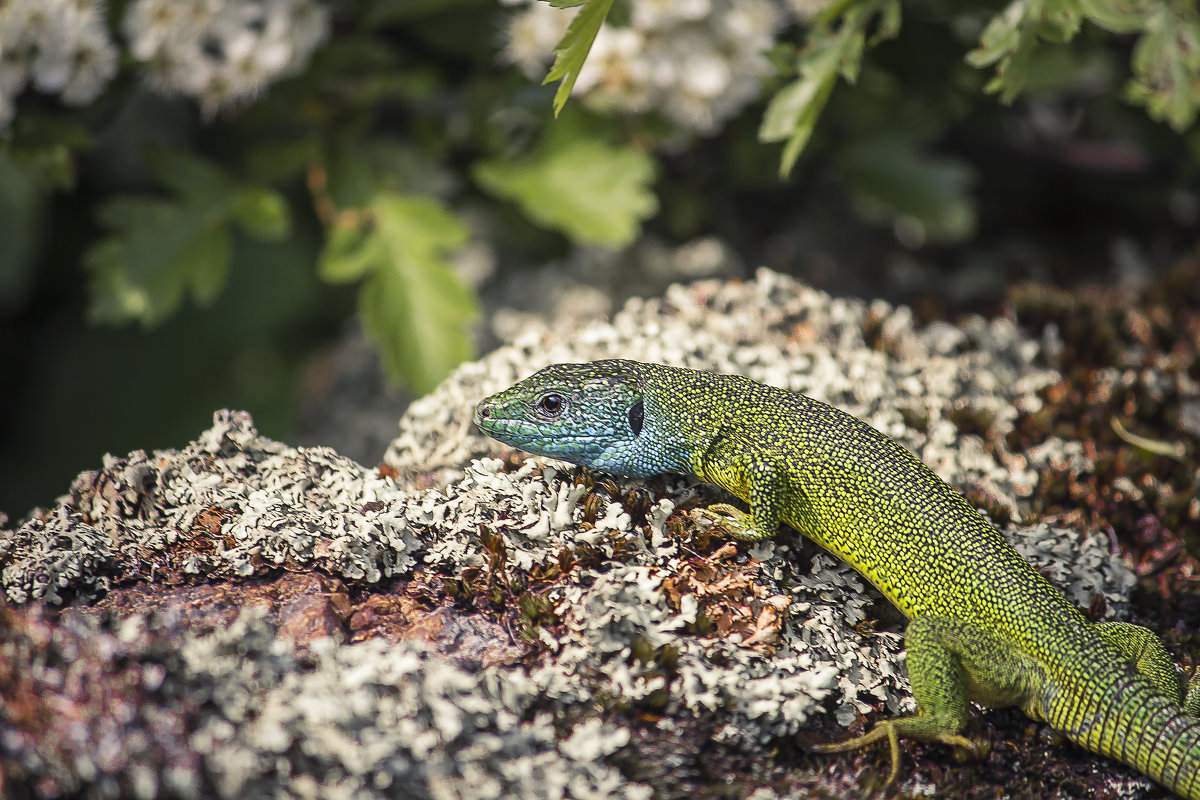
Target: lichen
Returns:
[[622, 600]]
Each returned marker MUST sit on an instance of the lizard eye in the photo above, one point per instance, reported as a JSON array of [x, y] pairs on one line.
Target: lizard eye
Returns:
[[551, 404]]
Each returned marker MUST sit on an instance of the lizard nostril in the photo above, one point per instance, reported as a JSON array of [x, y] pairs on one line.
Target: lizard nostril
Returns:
[[484, 412]]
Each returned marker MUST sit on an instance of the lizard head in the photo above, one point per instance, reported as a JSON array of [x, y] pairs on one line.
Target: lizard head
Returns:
[[587, 414]]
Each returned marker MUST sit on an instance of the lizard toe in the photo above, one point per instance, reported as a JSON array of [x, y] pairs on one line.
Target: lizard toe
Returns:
[[884, 730]]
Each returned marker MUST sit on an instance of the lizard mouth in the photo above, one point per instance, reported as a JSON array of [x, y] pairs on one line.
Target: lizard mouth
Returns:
[[532, 431], [500, 426], [527, 435]]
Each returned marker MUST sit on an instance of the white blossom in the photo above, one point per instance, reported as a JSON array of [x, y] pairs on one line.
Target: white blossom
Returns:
[[95, 63], [532, 35], [696, 61], [665, 14], [617, 72], [150, 23], [59, 47], [223, 52], [807, 9]]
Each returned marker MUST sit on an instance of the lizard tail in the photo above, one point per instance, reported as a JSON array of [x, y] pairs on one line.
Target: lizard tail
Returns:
[[1151, 734], [1169, 747]]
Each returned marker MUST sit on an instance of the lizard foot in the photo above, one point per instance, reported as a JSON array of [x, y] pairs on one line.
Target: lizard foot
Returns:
[[891, 730], [731, 521]]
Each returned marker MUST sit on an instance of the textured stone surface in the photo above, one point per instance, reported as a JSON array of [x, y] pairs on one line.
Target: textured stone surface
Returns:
[[486, 625]]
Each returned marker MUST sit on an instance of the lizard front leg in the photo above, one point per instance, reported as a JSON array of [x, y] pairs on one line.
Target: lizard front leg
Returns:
[[758, 482]]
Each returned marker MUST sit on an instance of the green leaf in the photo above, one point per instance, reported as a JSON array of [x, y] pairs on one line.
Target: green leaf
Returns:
[[591, 191], [261, 213], [1117, 16], [888, 26], [1001, 36], [1166, 66], [142, 272], [793, 112], [23, 203], [349, 253], [1166, 57], [1011, 38], [161, 248], [1008, 41], [1060, 21], [572, 51], [413, 306], [188, 175], [46, 146]]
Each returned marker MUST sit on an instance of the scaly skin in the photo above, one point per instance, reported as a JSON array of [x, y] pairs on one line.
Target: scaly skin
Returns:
[[985, 626]]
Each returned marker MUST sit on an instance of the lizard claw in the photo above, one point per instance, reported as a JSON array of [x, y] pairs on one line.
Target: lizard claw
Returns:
[[889, 729], [881, 731]]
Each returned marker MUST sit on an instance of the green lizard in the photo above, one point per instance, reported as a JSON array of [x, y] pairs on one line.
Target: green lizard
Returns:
[[985, 626]]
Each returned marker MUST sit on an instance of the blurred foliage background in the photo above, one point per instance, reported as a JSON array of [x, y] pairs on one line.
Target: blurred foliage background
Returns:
[[198, 197]]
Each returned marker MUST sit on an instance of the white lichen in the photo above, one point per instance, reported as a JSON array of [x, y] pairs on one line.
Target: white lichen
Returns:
[[362, 718]]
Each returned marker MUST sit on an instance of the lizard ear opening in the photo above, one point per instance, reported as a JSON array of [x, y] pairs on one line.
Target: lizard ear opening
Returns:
[[637, 414]]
